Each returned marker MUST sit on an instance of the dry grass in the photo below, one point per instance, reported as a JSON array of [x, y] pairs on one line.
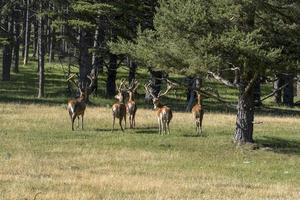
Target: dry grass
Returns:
[[41, 158]]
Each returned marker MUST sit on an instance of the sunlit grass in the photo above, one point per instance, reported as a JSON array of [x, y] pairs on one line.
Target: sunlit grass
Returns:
[[39, 154]]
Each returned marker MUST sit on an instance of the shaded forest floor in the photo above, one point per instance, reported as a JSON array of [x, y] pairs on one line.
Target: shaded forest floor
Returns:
[[40, 156]]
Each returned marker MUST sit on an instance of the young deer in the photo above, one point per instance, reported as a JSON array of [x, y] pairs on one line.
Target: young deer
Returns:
[[131, 105], [77, 106], [119, 109], [164, 113], [198, 113]]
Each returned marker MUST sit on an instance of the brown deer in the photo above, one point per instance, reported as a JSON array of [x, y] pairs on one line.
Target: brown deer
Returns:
[[198, 113], [164, 113], [76, 107], [131, 105], [119, 109]]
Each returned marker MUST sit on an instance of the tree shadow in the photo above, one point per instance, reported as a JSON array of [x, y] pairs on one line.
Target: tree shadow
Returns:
[[279, 145]]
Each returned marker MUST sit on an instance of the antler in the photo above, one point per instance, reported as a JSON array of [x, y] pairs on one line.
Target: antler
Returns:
[[133, 85], [146, 86], [89, 77], [169, 87], [121, 85], [71, 79]]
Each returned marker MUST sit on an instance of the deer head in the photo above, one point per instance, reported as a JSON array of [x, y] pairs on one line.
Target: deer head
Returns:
[[156, 99]]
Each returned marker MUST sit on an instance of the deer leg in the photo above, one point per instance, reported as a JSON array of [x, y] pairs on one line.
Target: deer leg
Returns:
[[81, 122], [73, 119], [78, 121], [120, 122], [125, 120], [168, 125], [200, 123], [114, 119], [133, 120], [159, 125]]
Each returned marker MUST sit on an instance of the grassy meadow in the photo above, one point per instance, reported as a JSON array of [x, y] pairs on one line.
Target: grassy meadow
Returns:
[[41, 158]]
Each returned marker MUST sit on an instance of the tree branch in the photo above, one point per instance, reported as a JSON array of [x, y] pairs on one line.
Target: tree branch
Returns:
[[273, 93], [222, 80], [250, 85]]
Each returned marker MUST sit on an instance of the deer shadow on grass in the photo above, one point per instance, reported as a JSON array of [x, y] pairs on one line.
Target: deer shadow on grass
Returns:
[[279, 145], [146, 130]]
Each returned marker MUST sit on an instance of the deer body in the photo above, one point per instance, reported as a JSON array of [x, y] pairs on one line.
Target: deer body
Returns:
[[164, 113], [119, 109], [131, 109], [131, 106], [76, 107], [198, 113], [164, 116]]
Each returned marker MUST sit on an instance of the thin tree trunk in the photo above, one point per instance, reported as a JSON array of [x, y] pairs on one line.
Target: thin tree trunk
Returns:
[[35, 40], [16, 39], [111, 76], [41, 54], [245, 116], [27, 33], [298, 84], [288, 91], [7, 51]]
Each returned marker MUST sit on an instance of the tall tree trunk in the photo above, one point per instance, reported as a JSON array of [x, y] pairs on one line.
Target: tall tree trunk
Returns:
[[16, 38], [278, 84], [41, 54], [194, 84], [35, 40], [111, 76], [288, 91], [132, 70], [84, 58], [7, 51], [27, 33], [245, 116]]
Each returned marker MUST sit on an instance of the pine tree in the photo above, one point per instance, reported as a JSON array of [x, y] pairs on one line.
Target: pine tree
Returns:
[[197, 37]]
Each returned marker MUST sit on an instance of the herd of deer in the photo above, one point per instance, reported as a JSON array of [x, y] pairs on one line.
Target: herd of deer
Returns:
[[76, 107]]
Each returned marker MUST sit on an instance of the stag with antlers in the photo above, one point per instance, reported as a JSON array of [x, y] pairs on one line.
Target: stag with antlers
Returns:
[[198, 113], [131, 105], [164, 113], [76, 107], [119, 109]]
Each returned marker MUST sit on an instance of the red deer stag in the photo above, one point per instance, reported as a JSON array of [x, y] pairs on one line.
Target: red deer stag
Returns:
[[198, 113], [119, 109], [164, 113], [131, 105], [77, 106]]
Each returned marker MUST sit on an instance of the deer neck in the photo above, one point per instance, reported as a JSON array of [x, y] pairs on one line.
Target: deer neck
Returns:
[[199, 100], [130, 97]]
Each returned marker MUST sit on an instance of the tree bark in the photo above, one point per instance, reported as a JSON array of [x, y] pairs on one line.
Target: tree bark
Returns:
[[41, 54], [257, 93], [27, 33], [245, 116], [111, 76], [7, 51], [288, 91]]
